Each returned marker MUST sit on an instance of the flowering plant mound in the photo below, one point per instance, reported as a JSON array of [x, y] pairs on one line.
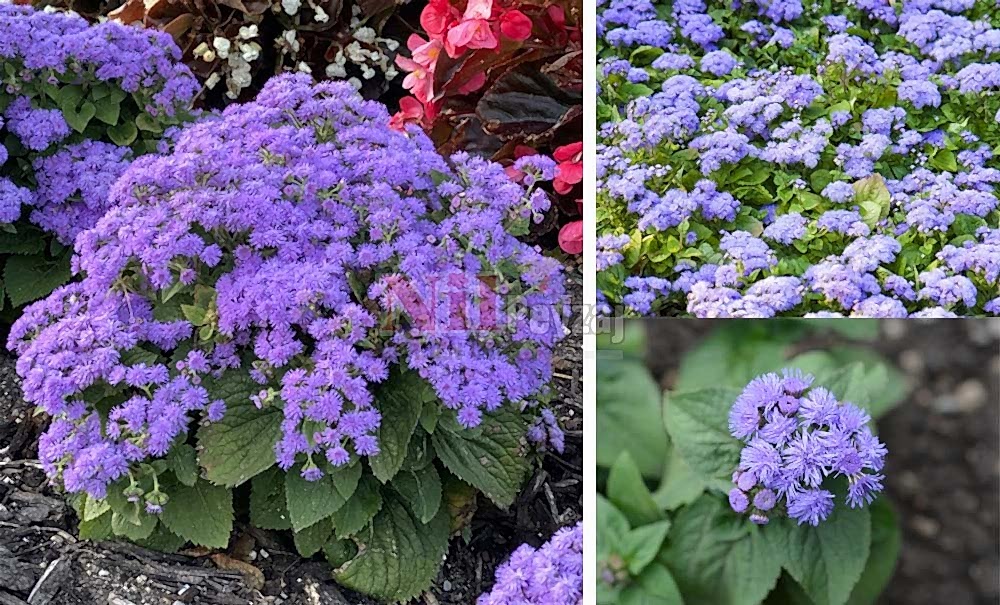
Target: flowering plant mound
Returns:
[[78, 103], [779, 157], [550, 575], [796, 437], [765, 487], [299, 297]]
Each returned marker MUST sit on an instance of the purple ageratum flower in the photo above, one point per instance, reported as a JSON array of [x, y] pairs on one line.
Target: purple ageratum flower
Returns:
[[920, 93], [36, 128], [751, 252], [797, 436], [718, 63], [550, 575], [272, 210], [786, 228], [12, 199], [839, 192]]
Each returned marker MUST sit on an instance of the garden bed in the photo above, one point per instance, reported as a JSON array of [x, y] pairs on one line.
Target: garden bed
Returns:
[[39, 553], [942, 471]]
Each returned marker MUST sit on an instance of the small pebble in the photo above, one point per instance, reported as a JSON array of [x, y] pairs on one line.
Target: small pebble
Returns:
[[446, 585]]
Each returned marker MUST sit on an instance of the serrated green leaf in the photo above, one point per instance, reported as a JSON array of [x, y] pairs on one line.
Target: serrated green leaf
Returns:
[[93, 508], [730, 357], [310, 501], [241, 444], [267, 501], [629, 416], [163, 540], [655, 586], [359, 509], [628, 492], [612, 526], [96, 529], [698, 423], [886, 540], [491, 457], [24, 240], [183, 461], [826, 560], [132, 527], [398, 556], [201, 514], [310, 540], [29, 278], [421, 490], [719, 557], [402, 399]]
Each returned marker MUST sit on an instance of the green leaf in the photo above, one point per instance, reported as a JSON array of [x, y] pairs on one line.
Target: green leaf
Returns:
[[873, 198], [123, 134], [183, 461], [23, 241], [201, 514], [612, 526], [887, 387], [628, 492], [730, 357], [29, 278], [133, 527], [826, 560], [719, 557], [310, 540], [655, 586], [421, 490], [96, 529], [886, 540], [398, 556], [241, 444], [629, 415], [267, 501], [163, 540], [79, 118], [944, 159], [93, 509], [310, 501], [359, 509], [108, 110], [402, 399], [698, 423], [491, 457], [680, 485], [640, 545]]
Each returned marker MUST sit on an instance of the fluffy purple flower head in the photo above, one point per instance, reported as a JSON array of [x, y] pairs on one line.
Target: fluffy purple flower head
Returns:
[[799, 437], [549, 575]]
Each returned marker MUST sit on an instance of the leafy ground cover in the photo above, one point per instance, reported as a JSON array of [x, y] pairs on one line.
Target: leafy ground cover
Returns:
[[781, 157]]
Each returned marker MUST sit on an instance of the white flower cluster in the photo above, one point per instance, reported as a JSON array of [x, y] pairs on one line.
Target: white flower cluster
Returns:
[[370, 53], [237, 54]]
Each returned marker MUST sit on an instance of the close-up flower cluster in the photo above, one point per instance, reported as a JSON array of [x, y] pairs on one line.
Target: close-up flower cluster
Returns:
[[769, 158], [283, 241], [798, 440], [549, 575]]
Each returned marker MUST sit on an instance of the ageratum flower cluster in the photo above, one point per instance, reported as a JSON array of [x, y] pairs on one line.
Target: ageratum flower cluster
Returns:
[[799, 438], [550, 575], [763, 158], [68, 94], [299, 242]]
